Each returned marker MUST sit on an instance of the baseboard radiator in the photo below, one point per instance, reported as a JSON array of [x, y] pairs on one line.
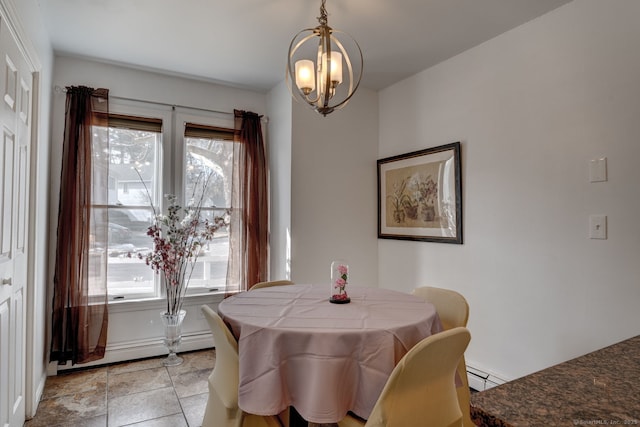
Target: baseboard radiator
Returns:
[[139, 349], [480, 380]]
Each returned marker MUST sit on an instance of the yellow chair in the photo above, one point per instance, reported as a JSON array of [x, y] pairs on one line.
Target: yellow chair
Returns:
[[453, 311], [271, 283], [222, 405], [421, 389]]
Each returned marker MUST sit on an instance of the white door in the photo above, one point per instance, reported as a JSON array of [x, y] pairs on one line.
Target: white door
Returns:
[[15, 140]]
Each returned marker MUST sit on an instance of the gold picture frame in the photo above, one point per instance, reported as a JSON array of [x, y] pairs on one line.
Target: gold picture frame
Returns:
[[420, 195]]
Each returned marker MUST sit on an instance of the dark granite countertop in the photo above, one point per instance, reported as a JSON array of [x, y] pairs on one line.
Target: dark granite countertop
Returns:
[[599, 388]]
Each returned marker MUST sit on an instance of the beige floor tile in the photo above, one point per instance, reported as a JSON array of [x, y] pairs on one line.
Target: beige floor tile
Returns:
[[142, 393], [192, 382], [143, 406], [137, 365], [195, 361], [100, 421], [176, 420], [135, 382], [193, 408], [75, 382], [85, 408]]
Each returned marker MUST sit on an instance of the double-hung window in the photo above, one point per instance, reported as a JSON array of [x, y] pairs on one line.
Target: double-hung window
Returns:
[[153, 153], [208, 167]]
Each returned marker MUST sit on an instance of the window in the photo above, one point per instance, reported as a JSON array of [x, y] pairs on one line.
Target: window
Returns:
[[209, 157], [147, 159], [135, 145]]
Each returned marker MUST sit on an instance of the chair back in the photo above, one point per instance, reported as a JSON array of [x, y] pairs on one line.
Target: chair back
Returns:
[[421, 388], [222, 406], [453, 311], [452, 307], [271, 283]]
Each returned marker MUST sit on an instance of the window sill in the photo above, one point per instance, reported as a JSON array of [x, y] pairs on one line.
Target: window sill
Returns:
[[124, 305]]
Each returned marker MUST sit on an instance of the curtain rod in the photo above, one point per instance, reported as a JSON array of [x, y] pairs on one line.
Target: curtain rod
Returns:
[[59, 89]]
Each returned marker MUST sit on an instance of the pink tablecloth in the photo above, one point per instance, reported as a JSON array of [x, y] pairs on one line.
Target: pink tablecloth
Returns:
[[297, 349]]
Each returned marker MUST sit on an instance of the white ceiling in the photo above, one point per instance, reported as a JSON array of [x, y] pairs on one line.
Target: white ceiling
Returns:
[[244, 42]]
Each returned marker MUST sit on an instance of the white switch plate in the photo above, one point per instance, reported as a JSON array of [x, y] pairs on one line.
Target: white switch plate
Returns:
[[598, 170], [598, 227]]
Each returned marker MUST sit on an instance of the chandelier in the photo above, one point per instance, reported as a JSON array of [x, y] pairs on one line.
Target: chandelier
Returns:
[[317, 69]]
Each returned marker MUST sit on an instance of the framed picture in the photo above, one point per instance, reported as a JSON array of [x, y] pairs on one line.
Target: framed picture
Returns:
[[420, 195]]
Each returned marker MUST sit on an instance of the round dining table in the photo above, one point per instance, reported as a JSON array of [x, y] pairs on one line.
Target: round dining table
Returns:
[[297, 349]]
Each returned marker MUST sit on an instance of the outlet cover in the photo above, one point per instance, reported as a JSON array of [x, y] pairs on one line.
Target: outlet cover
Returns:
[[598, 227]]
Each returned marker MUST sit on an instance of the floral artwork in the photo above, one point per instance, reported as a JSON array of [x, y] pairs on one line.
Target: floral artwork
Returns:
[[419, 195], [412, 195]]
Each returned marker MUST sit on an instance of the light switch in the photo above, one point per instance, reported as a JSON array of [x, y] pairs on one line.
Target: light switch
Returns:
[[598, 170], [598, 227]]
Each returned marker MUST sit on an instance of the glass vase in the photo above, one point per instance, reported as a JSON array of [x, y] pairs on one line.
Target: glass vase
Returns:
[[172, 336], [339, 281]]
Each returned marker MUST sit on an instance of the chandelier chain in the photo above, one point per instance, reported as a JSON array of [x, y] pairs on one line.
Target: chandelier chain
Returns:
[[322, 19]]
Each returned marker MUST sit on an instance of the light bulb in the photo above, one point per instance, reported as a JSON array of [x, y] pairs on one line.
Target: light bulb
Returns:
[[305, 76]]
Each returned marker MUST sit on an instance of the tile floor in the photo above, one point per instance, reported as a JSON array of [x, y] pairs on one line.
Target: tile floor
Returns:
[[110, 396]]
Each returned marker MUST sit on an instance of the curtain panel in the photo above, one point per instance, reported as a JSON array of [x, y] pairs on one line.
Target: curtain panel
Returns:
[[80, 314], [249, 235]]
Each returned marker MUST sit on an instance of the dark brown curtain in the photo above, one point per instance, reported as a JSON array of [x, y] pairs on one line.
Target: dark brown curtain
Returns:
[[80, 315], [249, 235]]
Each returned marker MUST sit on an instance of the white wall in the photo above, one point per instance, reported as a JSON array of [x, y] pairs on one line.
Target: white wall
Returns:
[[532, 107], [135, 330], [279, 105], [333, 191], [26, 18]]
